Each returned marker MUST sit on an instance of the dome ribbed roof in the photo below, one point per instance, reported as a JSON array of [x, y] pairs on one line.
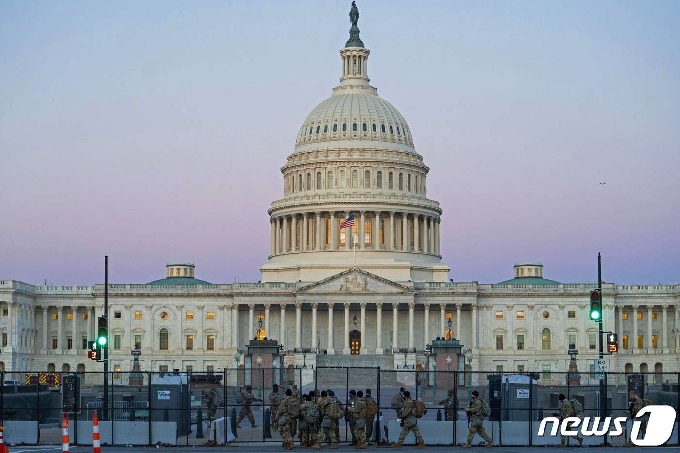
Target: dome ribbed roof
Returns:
[[362, 117]]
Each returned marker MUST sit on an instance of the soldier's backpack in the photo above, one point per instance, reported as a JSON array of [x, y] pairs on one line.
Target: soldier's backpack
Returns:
[[334, 411], [312, 415], [486, 410], [240, 399], [576, 406], [293, 408], [397, 401], [275, 398], [370, 410], [419, 409]]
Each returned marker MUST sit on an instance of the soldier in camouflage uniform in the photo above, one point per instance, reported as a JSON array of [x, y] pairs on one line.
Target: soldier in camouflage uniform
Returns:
[[567, 410], [450, 406], [369, 423], [247, 399], [476, 414], [636, 404], [287, 422], [309, 431], [328, 425], [211, 400], [358, 411], [350, 416], [409, 422], [275, 398]]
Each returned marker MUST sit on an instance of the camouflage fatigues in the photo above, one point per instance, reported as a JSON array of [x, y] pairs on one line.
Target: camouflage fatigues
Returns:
[[351, 418], [331, 423], [211, 400], [410, 423], [358, 413], [638, 404], [477, 422], [308, 431], [451, 408], [246, 411], [369, 423], [287, 424], [275, 399]]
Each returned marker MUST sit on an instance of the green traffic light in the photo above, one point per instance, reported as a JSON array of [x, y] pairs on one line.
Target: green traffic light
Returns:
[[101, 341], [595, 315]]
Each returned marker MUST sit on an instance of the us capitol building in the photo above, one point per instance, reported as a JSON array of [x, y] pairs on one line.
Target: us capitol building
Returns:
[[374, 293]]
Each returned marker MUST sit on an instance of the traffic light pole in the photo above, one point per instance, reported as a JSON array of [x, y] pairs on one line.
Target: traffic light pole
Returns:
[[105, 352], [603, 397]]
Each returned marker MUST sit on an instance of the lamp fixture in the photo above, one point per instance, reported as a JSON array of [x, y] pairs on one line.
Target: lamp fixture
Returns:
[[354, 320]]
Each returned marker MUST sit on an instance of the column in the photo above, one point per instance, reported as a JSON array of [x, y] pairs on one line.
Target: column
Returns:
[[234, 326], [284, 233], [437, 238], [395, 316], [305, 226], [474, 327], [221, 337], [391, 235], [363, 328], [345, 349], [267, 307], [633, 343], [427, 323], [404, 231], [298, 325], [315, 339], [675, 328], [442, 320], [334, 241], [74, 330], [279, 235], [318, 231], [282, 324], [620, 324], [293, 233], [458, 333], [664, 334], [60, 327], [251, 320], [90, 323], [45, 332], [378, 328], [411, 315], [430, 232], [348, 234], [272, 238], [376, 231], [362, 231], [416, 233], [330, 328], [649, 328]]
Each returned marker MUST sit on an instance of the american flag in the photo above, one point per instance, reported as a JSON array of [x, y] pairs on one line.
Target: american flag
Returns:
[[348, 222]]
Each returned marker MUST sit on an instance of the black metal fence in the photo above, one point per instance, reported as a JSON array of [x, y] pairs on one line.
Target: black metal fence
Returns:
[[519, 402]]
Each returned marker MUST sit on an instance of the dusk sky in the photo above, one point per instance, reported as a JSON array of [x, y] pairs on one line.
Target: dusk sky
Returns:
[[154, 132]]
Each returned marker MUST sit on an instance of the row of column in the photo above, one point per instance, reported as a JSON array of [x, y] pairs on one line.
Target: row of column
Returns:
[[307, 232], [346, 344], [60, 326], [648, 344]]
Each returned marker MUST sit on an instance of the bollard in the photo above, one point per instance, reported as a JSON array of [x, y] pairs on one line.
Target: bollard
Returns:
[[267, 424], [64, 435], [199, 424], [96, 443], [439, 415], [233, 422]]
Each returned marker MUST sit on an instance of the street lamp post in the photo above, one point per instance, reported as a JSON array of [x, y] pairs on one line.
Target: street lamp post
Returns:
[[468, 357], [434, 387], [448, 373], [237, 360], [259, 371]]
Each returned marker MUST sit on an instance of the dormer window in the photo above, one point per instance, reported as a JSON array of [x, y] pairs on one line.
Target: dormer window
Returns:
[[335, 127], [325, 128], [318, 129], [374, 128], [344, 127], [354, 127], [391, 130], [382, 129], [364, 127]]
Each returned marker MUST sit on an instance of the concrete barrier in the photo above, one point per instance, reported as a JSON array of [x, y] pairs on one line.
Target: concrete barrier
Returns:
[[217, 429], [17, 432], [127, 433]]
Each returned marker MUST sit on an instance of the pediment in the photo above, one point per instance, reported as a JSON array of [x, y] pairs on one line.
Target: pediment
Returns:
[[355, 281]]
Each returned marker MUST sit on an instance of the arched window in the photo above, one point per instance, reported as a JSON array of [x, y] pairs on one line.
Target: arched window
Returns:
[[325, 128], [318, 180], [344, 127], [310, 130], [367, 179], [375, 129], [299, 183], [545, 339], [401, 181], [309, 181], [335, 127], [341, 179], [378, 180], [415, 185], [390, 181], [382, 129], [398, 131], [364, 127], [391, 130], [329, 180], [318, 129], [354, 127], [355, 179], [163, 339]]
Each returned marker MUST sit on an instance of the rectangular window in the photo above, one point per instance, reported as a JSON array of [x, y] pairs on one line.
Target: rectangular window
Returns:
[[547, 372], [84, 316], [499, 315], [624, 316], [138, 342], [116, 342], [210, 369], [190, 343], [138, 315], [390, 181], [520, 342], [591, 370], [55, 343], [499, 369], [571, 340], [378, 180], [189, 315], [520, 314], [5, 312], [401, 181], [210, 343], [571, 314], [520, 368], [55, 316], [408, 182], [499, 342], [210, 315], [639, 316], [625, 342], [116, 371], [655, 315], [4, 339], [117, 315], [641, 341], [163, 368], [84, 343], [69, 343], [328, 231], [368, 232], [189, 368], [69, 316], [592, 341], [355, 179], [655, 341]]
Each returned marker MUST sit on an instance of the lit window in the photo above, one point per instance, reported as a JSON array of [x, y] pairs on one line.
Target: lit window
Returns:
[[499, 315], [138, 315], [655, 341], [545, 339], [210, 315], [499, 342], [210, 343], [520, 314], [571, 314], [520, 342], [84, 316], [640, 341], [625, 342], [624, 316], [368, 232], [189, 315], [55, 316], [190, 343], [655, 315], [639, 316], [69, 316], [164, 315]]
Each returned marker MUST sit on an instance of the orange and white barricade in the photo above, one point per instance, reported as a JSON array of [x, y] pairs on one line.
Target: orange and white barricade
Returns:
[[64, 434], [3, 448], [96, 444]]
